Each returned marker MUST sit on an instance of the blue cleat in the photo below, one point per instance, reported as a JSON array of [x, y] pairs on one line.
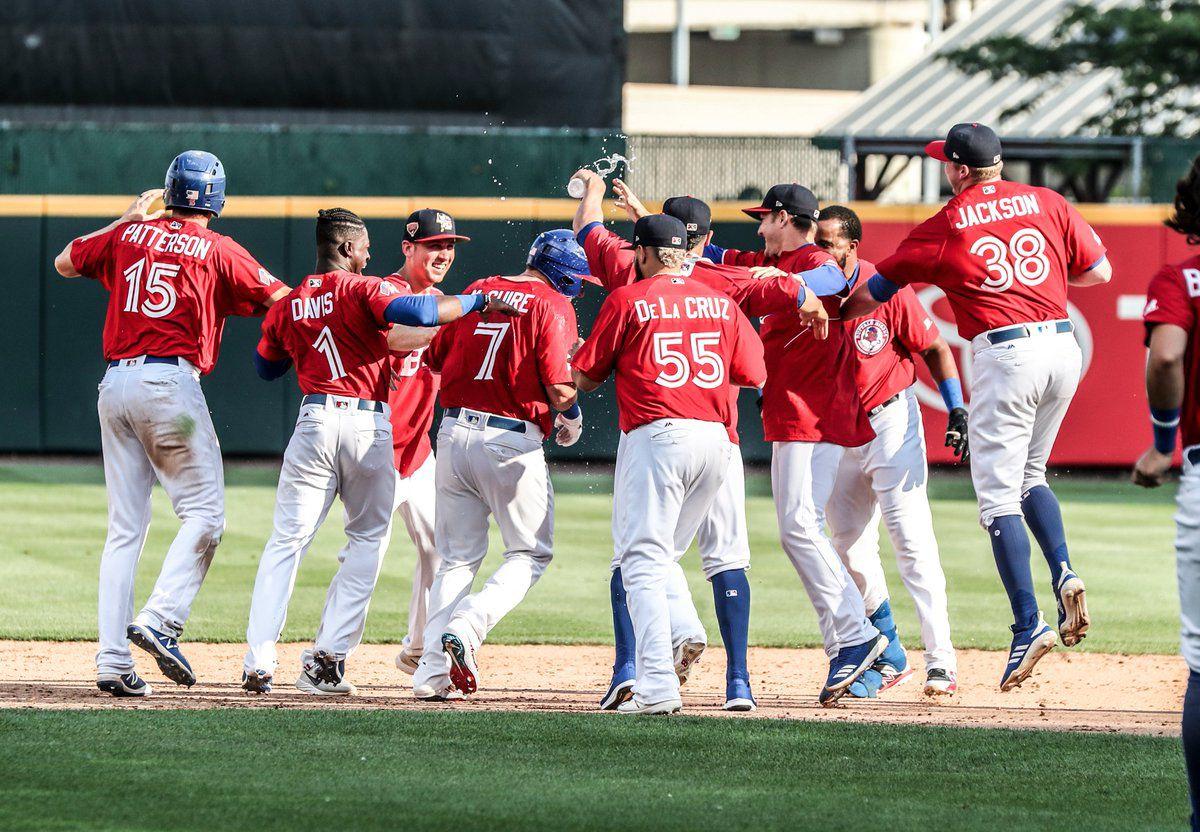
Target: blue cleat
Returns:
[[738, 696], [868, 685], [165, 650], [1073, 618], [123, 684], [257, 682], [620, 690], [1028, 646], [848, 665]]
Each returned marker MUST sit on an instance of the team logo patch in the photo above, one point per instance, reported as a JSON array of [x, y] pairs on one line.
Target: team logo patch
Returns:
[[691, 226], [265, 277], [678, 280], [193, 197], [989, 189], [314, 283], [445, 223], [175, 225], [411, 228], [386, 288], [816, 214], [676, 241], [871, 336]]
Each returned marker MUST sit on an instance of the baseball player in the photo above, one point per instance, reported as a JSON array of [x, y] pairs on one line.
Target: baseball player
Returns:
[[812, 412], [505, 385], [1004, 254], [722, 538], [172, 281], [333, 328], [677, 348], [428, 247], [1172, 384], [886, 478]]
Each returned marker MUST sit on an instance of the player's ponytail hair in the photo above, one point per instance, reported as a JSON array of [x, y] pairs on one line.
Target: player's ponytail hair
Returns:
[[1186, 217], [336, 225]]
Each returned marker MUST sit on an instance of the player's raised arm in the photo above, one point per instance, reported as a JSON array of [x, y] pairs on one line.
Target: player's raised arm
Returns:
[[138, 211], [591, 207]]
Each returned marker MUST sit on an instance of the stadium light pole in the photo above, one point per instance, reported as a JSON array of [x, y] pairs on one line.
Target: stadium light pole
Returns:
[[680, 54]]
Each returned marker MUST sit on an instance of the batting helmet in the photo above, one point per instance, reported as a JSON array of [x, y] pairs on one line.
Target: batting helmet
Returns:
[[196, 180], [560, 258]]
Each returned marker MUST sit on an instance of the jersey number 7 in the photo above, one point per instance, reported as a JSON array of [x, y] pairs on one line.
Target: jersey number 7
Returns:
[[495, 334]]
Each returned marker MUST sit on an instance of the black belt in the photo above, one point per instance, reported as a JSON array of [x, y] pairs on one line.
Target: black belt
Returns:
[[149, 359], [1012, 333], [501, 422], [323, 398], [877, 409], [1193, 455]]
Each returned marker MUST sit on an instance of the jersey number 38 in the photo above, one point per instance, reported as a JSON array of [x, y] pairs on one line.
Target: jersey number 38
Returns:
[[1022, 258]]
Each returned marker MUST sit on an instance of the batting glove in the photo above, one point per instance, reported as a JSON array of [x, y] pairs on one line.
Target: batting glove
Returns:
[[956, 433], [569, 429]]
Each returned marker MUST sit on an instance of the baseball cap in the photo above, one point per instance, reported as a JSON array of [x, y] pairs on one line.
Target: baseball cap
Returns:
[[659, 231], [694, 213], [430, 224], [972, 144], [796, 199]]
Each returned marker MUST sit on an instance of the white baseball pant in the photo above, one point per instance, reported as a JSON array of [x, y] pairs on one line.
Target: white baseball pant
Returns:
[[1020, 391], [415, 502], [484, 470], [887, 478], [668, 480], [802, 478], [1187, 558], [154, 424], [336, 449]]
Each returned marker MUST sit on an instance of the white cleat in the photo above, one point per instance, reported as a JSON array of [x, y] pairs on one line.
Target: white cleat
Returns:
[[428, 693], [664, 708], [407, 660], [687, 653], [1073, 618]]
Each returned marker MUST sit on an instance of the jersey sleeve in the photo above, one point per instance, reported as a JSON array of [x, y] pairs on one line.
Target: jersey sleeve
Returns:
[[1084, 248], [912, 326], [756, 297], [248, 285], [270, 344], [917, 258], [598, 354], [435, 354], [1168, 300], [608, 260], [556, 333], [376, 293], [746, 364], [91, 256], [734, 257]]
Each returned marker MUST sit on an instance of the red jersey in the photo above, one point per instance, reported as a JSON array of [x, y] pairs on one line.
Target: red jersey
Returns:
[[677, 347], [171, 284], [811, 394], [886, 340], [1002, 253], [503, 365], [412, 393], [332, 328], [1173, 297]]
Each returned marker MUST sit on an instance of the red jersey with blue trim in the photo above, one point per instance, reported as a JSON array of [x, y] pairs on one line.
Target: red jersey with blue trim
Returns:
[[412, 394], [1173, 297]]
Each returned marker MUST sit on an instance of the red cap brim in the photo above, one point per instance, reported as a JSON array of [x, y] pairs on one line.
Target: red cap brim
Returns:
[[436, 237], [756, 213], [937, 150]]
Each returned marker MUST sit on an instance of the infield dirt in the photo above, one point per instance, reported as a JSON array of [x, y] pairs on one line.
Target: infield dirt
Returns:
[[1070, 691]]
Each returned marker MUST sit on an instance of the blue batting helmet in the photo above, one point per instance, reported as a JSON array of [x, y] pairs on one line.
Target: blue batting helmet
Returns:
[[557, 255], [196, 180]]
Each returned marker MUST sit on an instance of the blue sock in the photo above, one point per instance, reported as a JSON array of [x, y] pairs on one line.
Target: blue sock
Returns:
[[1044, 519], [883, 620], [1010, 547], [731, 595], [1191, 743], [622, 625]]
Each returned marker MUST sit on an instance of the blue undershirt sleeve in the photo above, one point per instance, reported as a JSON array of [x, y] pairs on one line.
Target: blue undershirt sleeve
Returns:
[[270, 370], [881, 288]]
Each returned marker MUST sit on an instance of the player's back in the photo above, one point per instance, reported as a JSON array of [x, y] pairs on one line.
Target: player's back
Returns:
[[1173, 297], [332, 328], [500, 364]]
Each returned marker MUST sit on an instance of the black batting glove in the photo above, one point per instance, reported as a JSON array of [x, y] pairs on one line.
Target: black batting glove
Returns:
[[956, 433]]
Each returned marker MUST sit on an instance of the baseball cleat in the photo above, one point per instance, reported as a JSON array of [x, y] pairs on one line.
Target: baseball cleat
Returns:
[[868, 685], [323, 675], [686, 655], [940, 682], [463, 671], [848, 665], [664, 708], [258, 681], [407, 660], [166, 652], [1073, 618], [619, 690], [1028, 647], [890, 676], [738, 696], [428, 693], [123, 684]]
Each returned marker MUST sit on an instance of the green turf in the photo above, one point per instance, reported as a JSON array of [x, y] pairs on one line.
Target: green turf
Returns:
[[172, 770], [53, 521]]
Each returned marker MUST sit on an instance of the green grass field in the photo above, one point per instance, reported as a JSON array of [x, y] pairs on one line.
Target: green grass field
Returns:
[[172, 770], [53, 518]]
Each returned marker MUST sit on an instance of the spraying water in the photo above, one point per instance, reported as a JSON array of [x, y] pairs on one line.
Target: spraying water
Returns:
[[605, 166]]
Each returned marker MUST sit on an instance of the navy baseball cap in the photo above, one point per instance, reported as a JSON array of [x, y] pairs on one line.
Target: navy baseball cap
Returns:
[[796, 199], [972, 144], [694, 213], [659, 231], [429, 225]]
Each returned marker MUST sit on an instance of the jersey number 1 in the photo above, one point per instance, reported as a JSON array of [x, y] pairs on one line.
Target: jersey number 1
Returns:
[[160, 295], [326, 346]]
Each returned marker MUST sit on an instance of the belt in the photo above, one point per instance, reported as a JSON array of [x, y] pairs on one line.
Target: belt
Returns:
[[1012, 333], [501, 422], [1193, 455], [148, 359], [877, 409], [324, 399]]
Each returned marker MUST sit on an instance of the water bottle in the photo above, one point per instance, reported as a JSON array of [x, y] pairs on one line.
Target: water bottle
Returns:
[[576, 187]]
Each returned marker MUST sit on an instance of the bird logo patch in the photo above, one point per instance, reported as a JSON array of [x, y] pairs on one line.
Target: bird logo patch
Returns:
[[871, 336]]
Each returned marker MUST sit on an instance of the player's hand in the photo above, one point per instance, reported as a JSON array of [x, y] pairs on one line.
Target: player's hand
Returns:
[[628, 201], [814, 313], [1150, 471], [956, 433], [766, 272], [569, 430], [494, 304], [590, 178], [139, 210]]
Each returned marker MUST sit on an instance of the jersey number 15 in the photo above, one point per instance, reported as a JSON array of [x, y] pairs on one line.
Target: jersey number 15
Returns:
[[160, 295]]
